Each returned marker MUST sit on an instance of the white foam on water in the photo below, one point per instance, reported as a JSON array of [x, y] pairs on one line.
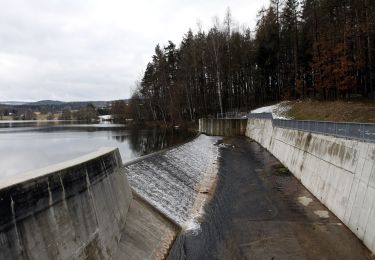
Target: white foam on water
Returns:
[[173, 181], [305, 201], [192, 226], [322, 213]]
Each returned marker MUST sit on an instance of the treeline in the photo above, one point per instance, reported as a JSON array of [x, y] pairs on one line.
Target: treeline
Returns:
[[88, 113], [317, 48]]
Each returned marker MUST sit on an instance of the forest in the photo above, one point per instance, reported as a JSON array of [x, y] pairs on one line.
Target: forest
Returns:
[[321, 49]]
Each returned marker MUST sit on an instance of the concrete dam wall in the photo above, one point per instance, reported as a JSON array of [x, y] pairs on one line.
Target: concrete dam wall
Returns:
[[73, 210], [222, 127], [338, 171]]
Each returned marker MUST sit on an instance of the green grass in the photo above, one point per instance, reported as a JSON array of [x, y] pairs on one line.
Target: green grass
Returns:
[[338, 111]]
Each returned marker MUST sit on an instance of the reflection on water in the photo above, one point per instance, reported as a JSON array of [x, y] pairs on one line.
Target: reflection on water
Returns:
[[143, 142], [30, 145]]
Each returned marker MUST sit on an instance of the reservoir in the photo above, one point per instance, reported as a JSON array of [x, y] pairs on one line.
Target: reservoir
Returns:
[[29, 145]]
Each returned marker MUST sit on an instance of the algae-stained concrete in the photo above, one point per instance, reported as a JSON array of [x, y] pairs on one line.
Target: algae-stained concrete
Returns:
[[73, 210], [339, 172], [147, 235]]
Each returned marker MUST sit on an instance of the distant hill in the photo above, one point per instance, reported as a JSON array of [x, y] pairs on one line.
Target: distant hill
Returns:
[[46, 103], [12, 103], [55, 104]]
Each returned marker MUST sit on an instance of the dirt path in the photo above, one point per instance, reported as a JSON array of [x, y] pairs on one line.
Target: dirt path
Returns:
[[259, 211]]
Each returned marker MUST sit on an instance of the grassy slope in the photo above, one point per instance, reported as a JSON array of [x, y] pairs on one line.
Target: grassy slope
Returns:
[[339, 111]]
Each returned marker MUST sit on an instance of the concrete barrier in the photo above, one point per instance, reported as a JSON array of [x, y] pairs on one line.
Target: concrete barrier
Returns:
[[222, 127], [73, 210], [338, 171]]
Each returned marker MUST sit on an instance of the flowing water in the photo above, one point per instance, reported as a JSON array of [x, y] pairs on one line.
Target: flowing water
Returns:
[[176, 181], [29, 145]]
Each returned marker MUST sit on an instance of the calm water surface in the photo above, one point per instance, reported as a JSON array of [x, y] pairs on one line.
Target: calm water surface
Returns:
[[31, 145]]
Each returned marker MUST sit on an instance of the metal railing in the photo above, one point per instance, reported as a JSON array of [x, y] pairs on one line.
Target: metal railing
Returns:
[[260, 115], [359, 131], [232, 115]]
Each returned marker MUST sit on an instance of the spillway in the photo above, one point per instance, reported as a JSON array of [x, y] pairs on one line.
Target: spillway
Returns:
[[178, 181]]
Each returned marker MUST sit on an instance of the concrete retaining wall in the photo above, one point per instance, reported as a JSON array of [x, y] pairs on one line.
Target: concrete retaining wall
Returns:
[[74, 210], [222, 127], [338, 171]]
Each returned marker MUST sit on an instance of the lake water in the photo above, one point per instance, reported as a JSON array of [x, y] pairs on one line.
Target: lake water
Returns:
[[30, 145]]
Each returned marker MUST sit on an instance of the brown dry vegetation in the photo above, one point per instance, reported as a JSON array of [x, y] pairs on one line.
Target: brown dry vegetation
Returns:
[[339, 111]]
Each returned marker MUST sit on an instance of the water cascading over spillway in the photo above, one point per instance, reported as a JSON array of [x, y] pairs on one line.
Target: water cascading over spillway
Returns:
[[178, 182]]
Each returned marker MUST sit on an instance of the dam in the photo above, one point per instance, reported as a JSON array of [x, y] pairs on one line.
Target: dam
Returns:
[[225, 196], [86, 209]]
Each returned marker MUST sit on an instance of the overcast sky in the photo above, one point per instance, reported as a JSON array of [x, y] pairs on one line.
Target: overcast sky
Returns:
[[94, 49]]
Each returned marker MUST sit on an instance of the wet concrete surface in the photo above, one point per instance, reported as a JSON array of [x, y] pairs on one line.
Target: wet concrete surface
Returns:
[[260, 211], [147, 234]]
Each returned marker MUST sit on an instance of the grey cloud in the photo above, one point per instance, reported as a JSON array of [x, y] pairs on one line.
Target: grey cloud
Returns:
[[92, 49]]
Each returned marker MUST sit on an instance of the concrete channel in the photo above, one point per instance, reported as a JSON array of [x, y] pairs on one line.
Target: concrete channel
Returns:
[[261, 211]]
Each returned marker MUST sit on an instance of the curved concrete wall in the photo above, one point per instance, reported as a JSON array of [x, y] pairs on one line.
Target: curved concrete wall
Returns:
[[74, 210], [222, 127], [338, 171]]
